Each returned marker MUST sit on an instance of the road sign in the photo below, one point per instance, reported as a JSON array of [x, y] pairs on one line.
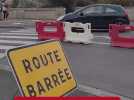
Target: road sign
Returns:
[[42, 69]]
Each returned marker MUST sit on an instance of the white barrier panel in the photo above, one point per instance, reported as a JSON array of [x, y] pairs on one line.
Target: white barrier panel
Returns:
[[78, 32]]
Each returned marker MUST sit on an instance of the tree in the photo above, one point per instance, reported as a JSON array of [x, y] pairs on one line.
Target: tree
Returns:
[[63, 3], [71, 4], [68, 4]]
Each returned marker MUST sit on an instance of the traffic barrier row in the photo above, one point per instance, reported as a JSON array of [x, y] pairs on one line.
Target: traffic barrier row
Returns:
[[81, 33], [74, 32], [119, 40]]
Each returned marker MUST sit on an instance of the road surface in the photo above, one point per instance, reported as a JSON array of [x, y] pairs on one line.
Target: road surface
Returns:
[[99, 68]]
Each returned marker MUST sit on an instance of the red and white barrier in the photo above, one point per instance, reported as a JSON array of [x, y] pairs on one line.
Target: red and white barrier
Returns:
[[78, 32], [50, 30], [119, 40]]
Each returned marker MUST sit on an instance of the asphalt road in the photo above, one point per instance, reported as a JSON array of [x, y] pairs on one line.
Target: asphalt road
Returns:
[[99, 66], [103, 67]]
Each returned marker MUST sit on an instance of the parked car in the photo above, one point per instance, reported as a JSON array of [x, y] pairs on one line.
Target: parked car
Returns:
[[99, 15]]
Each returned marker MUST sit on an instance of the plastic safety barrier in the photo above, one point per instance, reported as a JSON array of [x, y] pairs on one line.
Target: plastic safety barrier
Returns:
[[119, 40], [78, 32], [50, 30], [69, 98]]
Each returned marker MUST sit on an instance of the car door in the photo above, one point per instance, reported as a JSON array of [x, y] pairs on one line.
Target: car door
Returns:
[[110, 15], [92, 14]]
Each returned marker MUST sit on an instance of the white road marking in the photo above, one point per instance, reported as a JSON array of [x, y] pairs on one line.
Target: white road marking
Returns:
[[100, 43], [25, 31], [20, 34], [106, 37], [19, 37], [13, 39], [99, 92], [17, 31], [36, 20], [17, 23], [6, 47], [17, 42]]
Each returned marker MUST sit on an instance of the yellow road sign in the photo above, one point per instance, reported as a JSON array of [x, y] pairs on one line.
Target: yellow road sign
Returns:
[[42, 69]]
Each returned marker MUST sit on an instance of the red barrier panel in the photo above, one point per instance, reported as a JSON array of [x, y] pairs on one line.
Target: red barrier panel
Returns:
[[119, 40], [50, 30], [67, 98]]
